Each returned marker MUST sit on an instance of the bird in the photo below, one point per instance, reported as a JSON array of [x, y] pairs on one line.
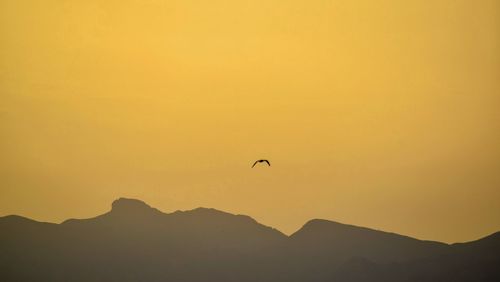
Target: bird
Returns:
[[261, 161]]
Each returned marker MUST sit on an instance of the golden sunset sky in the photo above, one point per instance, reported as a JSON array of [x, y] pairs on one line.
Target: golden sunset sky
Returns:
[[384, 114]]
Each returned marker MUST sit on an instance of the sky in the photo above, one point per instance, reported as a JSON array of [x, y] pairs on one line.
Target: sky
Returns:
[[382, 114]]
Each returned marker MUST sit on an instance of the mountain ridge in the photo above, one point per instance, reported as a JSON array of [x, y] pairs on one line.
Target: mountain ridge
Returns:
[[136, 242], [130, 205]]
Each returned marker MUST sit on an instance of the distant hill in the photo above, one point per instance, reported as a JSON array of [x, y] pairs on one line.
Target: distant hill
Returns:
[[135, 242]]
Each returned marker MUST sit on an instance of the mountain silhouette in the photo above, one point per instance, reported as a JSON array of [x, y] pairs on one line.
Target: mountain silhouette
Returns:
[[135, 242]]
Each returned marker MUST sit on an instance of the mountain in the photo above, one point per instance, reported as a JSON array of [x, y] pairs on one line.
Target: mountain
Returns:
[[135, 242], [325, 246], [338, 241]]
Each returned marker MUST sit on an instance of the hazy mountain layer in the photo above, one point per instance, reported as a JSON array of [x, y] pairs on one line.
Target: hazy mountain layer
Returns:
[[135, 242]]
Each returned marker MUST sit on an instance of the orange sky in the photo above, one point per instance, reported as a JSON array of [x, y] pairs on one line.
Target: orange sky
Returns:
[[383, 114]]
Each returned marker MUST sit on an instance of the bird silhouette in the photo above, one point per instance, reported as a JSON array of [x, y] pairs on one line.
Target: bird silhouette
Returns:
[[261, 161]]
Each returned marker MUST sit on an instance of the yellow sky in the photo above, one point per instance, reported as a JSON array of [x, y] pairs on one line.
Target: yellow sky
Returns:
[[384, 114]]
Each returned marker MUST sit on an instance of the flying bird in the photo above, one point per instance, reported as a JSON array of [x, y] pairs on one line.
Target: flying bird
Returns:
[[261, 161]]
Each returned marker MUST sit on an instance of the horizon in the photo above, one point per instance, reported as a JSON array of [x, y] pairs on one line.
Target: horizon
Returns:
[[374, 113], [122, 199]]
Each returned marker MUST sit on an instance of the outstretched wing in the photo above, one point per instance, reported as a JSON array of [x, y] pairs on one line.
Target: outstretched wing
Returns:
[[267, 162], [255, 163]]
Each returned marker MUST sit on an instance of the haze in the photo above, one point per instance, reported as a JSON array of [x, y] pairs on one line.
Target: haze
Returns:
[[382, 114]]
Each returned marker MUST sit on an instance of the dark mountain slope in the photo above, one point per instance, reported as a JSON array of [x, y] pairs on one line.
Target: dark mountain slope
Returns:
[[338, 242], [475, 261], [202, 227], [134, 242], [323, 249]]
